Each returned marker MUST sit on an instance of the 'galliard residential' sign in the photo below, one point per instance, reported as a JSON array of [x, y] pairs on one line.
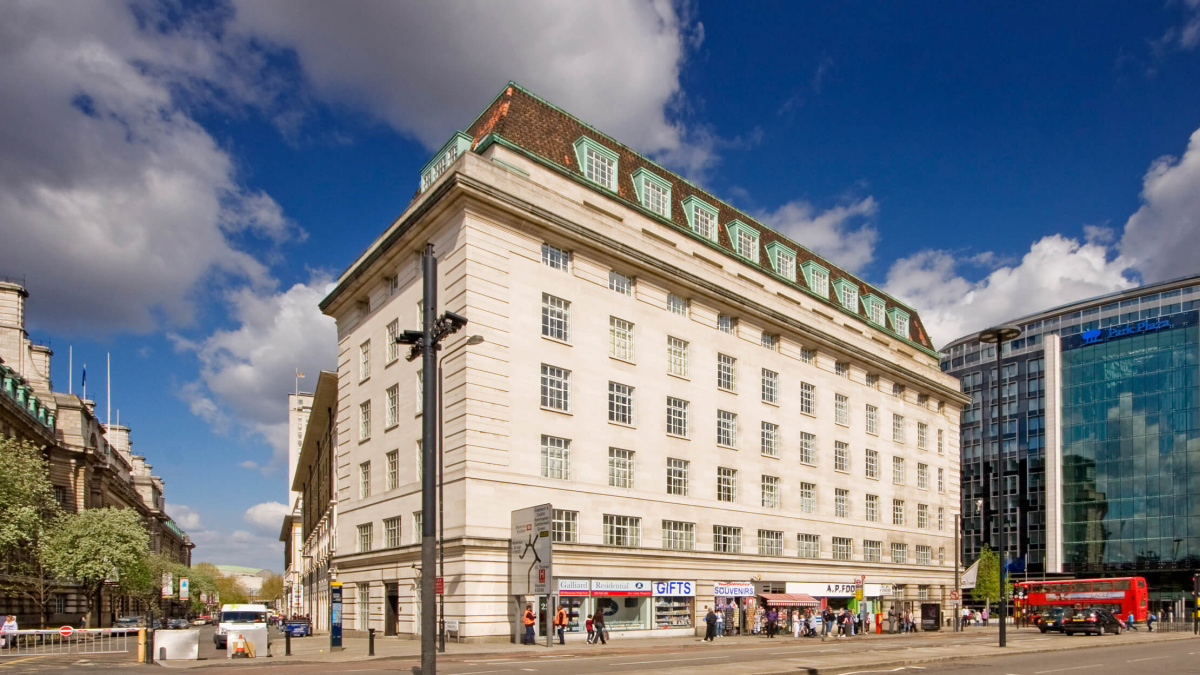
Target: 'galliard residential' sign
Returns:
[[1098, 335]]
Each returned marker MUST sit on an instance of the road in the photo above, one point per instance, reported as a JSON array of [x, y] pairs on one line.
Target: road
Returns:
[[1168, 658]]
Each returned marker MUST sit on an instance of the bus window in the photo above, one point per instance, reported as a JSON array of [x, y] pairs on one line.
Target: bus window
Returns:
[[1103, 586]]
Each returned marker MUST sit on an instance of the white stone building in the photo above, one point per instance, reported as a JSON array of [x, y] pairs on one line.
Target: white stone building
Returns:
[[700, 399]]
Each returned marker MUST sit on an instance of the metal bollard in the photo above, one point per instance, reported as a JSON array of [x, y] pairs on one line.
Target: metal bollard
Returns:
[[370, 642], [287, 643]]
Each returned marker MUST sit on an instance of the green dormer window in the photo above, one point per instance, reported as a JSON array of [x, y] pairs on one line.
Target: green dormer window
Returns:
[[783, 259], [653, 192], [847, 294], [702, 218], [899, 321], [598, 163], [875, 310], [744, 239], [441, 162], [817, 278]]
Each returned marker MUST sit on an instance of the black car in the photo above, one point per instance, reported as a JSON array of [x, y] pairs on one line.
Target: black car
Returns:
[[1051, 619], [177, 624], [1091, 620]]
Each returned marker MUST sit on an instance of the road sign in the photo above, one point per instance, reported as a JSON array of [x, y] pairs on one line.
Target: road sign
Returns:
[[953, 595], [183, 588], [530, 551], [66, 631], [439, 586]]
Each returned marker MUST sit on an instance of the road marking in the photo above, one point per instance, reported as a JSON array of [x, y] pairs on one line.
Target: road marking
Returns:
[[640, 663], [1059, 670], [857, 672], [28, 658], [1148, 658]]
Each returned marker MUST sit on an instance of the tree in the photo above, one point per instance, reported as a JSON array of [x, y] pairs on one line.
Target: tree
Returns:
[[272, 589], [28, 513], [93, 545], [987, 583]]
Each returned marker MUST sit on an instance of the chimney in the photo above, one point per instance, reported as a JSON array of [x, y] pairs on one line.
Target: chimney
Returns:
[[118, 438], [12, 326]]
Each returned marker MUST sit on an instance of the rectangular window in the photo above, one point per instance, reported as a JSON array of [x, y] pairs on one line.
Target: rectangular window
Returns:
[[419, 462], [555, 258], [364, 606], [941, 519], [924, 553], [393, 347], [786, 265], [872, 463], [393, 406], [620, 403], [746, 245], [556, 458], [923, 476], [418, 530], [677, 304], [556, 318], [364, 360], [725, 323], [898, 471], [677, 536], [705, 223], [872, 508], [420, 406], [872, 550], [393, 469], [726, 428], [941, 555], [922, 436], [877, 313], [391, 532], [849, 297], [770, 542], [941, 480], [808, 545], [898, 390], [726, 372], [364, 537], [808, 398], [556, 388], [899, 554], [622, 530], [677, 417], [620, 338], [808, 448], [841, 456], [872, 420], [820, 282], [564, 526], [726, 484], [727, 539], [620, 468], [364, 480], [808, 356], [843, 548], [770, 386], [770, 492], [841, 503], [364, 420], [770, 439], [620, 283], [898, 428], [677, 477], [656, 198], [872, 380], [769, 340], [677, 356], [901, 325], [841, 369], [939, 441], [841, 409], [808, 497], [923, 516], [897, 511]]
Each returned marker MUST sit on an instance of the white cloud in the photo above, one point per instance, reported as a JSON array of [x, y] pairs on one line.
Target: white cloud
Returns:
[[1160, 238], [184, 516], [114, 202], [844, 234], [267, 517], [247, 371], [427, 69]]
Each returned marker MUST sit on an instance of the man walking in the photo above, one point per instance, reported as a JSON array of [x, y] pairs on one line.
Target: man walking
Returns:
[[892, 619], [710, 628], [598, 623], [529, 620], [560, 622]]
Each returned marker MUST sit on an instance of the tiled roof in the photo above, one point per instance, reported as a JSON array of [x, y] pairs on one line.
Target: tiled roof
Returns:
[[540, 129]]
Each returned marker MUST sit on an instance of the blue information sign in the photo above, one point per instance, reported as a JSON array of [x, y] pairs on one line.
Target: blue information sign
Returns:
[[335, 615]]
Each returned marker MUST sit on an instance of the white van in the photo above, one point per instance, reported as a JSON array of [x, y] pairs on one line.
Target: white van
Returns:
[[238, 617]]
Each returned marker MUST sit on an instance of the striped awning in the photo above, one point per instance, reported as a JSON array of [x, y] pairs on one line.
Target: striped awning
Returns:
[[790, 599]]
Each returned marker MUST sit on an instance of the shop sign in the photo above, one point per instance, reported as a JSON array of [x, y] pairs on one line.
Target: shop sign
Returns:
[[839, 590], [1097, 335], [601, 587], [674, 588], [1086, 595], [732, 589], [574, 587]]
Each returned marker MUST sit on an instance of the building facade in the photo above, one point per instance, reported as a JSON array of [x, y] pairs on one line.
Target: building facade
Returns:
[[1101, 437], [317, 520], [701, 400], [291, 534]]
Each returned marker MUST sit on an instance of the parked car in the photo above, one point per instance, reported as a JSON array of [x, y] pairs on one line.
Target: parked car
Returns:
[[129, 623], [1050, 619], [1091, 620], [177, 624]]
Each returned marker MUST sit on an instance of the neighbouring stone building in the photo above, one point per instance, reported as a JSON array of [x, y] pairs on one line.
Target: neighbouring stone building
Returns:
[[316, 518], [713, 411]]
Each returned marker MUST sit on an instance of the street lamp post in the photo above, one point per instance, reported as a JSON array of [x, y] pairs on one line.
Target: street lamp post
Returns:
[[441, 411], [998, 335]]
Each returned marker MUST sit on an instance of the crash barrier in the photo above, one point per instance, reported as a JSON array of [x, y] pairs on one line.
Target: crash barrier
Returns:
[[247, 644], [177, 645], [68, 640], [1169, 626]]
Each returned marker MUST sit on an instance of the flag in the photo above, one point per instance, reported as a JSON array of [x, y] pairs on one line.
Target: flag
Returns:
[[84, 381], [299, 374], [1017, 565]]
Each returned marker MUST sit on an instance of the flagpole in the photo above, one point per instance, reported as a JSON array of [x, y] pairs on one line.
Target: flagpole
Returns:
[[84, 383], [108, 394], [70, 369]]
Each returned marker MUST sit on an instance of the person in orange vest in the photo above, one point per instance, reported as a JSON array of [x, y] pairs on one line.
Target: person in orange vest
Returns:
[[560, 622], [529, 619]]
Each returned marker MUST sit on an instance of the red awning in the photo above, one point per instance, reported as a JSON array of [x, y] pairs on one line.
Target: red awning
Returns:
[[790, 599]]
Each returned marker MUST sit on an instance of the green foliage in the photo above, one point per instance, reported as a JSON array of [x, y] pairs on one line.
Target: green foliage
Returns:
[[272, 589], [90, 545], [27, 503], [987, 583]]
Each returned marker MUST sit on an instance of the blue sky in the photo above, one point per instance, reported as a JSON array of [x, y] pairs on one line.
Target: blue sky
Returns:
[[179, 182]]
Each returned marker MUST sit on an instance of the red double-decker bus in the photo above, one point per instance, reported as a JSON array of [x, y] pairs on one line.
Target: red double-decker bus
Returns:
[[1122, 596]]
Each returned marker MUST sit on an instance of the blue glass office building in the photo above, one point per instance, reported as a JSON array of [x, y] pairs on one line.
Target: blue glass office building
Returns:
[[1101, 439]]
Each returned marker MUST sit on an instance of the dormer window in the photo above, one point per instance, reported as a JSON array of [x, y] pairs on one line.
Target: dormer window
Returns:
[[847, 294], [875, 309], [653, 192], [744, 239], [458, 144], [783, 259], [702, 218], [598, 163], [899, 321], [817, 278]]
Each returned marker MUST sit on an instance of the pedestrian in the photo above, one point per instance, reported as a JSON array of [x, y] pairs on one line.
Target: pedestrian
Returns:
[[1150, 619], [560, 622], [710, 625], [529, 620], [1132, 625], [892, 619], [83, 621], [591, 630], [812, 623], [598, 622], [8, 633], [827, 620], [720, 621], [966, 617], [772, 622], [796, 623], [985, 615]]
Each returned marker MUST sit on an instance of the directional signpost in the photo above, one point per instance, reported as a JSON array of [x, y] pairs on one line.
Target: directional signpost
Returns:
[[529, 557]]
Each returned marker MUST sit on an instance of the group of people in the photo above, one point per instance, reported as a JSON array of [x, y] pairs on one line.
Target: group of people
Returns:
[[978, 617], [8, 632], [906, 620], [806, 623], [595, 626]]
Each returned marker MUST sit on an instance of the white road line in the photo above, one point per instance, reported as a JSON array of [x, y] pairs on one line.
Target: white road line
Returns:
[[640, 663], [1148, 658], [858, 672], [1059, 670]]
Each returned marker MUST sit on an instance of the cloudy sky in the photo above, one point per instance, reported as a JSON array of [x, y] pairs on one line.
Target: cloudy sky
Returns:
[[179, 182]]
